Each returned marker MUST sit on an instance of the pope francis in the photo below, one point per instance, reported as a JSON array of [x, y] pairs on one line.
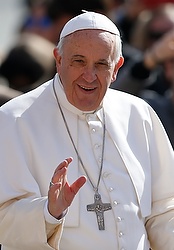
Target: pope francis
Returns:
[[84, 166]]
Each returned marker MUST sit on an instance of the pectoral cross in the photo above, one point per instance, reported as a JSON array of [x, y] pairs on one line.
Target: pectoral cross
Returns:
[[99, 208]]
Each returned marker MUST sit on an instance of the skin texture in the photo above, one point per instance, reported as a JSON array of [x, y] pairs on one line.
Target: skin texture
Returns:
[[86, 66]]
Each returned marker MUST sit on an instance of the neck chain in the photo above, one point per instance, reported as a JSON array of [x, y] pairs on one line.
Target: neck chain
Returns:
[[98, 207]]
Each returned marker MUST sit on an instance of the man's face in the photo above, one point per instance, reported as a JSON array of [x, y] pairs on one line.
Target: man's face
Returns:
[[87, 67]]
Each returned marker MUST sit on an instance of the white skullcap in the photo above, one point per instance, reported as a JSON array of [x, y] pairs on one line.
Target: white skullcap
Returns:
[[89, 20]]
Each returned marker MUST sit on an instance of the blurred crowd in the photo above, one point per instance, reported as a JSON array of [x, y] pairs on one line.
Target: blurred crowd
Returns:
[[147, 31]]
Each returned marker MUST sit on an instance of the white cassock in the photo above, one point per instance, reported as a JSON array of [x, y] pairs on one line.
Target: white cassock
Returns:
[[137, 177]]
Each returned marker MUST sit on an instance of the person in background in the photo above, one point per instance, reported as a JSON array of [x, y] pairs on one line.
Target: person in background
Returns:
[[164, 104], [56, 13], [149, 74], [84, 166], [127, 16], [28, 63], [141, 71]]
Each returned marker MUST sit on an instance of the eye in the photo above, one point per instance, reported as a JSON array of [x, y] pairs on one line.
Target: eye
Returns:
[[78, 63], [102, 65]]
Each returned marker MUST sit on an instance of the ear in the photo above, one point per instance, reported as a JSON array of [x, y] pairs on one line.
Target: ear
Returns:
[[117, 66], [57, 58]]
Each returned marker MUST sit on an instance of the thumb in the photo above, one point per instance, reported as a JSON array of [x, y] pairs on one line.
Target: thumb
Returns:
[[78, 184]]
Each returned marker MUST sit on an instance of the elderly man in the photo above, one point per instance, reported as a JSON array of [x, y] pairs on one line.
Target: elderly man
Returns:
[[113, 186]]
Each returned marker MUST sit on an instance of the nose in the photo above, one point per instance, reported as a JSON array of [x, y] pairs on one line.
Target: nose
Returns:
[[89, 74]]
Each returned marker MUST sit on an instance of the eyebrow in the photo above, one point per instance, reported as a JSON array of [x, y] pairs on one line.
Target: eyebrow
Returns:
[[103, 61], [78, 56], [99, 60]]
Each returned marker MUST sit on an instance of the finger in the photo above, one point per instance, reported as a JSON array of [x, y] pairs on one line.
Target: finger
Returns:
[[63, 164], [59, 175], [78, 184], [61, 170]]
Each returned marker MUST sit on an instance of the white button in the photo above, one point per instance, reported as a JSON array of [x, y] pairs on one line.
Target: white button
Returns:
[[99, 159], [111, 189], [106, 174], [119, 219], [91, 117], [115, 203], [121, 234], [87, 117], [93, 130], [97, 146]]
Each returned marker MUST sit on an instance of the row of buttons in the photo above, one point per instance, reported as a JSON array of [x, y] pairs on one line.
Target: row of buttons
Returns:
[[105, 174], [115, 203]]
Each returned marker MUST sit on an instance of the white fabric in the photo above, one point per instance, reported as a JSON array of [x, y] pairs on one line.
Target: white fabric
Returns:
[[138, 158], [89, 20]]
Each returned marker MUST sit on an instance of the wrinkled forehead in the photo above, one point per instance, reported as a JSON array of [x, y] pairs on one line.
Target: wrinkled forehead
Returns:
[[89, 21], [91, 38], [97, 43]]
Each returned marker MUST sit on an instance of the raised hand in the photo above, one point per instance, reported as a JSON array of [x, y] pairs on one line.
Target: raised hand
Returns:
[[61, 193]]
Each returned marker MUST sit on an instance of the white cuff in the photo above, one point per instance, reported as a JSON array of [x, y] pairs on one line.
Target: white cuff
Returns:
[[49, 218]]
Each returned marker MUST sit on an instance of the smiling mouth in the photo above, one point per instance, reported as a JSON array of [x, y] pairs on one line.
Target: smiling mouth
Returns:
[[87, 88]]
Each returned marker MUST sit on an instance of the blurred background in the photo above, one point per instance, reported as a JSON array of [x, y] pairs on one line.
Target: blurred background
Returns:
[[12, 15]]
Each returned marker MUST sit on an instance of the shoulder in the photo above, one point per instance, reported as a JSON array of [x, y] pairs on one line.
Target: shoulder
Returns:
[[127, 107], [20, 104], [124, 99]]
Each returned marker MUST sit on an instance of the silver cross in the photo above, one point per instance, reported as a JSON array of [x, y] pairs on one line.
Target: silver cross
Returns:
[[99, 208]]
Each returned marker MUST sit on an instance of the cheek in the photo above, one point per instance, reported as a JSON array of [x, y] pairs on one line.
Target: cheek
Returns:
[[105, 82], [110, 77], [68, 78], [68, 72]]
